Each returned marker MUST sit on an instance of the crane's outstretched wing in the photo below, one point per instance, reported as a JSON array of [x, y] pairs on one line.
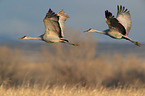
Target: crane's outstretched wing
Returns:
[[62, 18], [113, 23], [124, 17], [52, 26]]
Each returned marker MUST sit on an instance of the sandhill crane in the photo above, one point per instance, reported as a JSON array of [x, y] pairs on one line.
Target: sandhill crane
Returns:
[[119, 27], [54, 28]]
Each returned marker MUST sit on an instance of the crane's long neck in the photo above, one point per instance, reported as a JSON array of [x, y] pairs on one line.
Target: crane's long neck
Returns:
[[34, 38], [93, 30], [102, 32]]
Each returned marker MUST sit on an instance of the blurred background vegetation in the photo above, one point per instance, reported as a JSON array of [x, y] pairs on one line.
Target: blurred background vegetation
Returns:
[[60, 64]]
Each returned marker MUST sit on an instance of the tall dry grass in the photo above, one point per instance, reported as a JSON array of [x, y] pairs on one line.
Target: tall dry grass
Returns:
[[67, 91], [62, 64]]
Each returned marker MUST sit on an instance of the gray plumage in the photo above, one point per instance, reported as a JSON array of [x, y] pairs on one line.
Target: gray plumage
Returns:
[[119, 27], [54, 28]]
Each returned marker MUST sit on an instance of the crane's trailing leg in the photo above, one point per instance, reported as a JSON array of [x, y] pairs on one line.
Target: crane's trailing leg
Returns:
[[66, 41], [127, 38], [73, 44]]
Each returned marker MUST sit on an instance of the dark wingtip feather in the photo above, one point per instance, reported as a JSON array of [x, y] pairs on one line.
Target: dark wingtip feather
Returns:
[[50, 13], [49, 9], [108, 14], [117, 7], [126, 10], [121, 8]]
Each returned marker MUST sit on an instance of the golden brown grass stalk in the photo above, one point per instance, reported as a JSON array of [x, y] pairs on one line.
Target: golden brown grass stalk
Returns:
[[74, 91]]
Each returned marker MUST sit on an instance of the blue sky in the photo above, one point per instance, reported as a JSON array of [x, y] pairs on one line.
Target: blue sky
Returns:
[[25, 17]]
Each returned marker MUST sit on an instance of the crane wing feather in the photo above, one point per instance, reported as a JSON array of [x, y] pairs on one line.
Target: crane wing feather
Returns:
[[124, 17], [52, 26], [113, 23], [62, 18]]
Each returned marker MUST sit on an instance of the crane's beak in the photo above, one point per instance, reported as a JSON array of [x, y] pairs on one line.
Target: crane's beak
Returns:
[[22, 37], [88, 30]]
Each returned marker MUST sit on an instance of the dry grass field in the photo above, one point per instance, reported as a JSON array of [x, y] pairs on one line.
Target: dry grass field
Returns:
[[64, 91], [63, 70]]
